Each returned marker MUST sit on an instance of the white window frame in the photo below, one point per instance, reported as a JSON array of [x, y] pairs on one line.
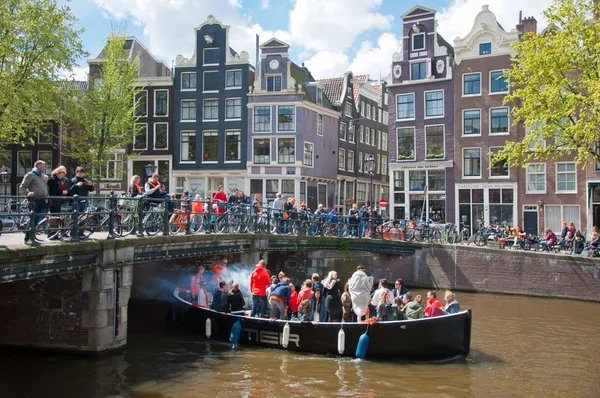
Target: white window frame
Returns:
[[254, 119], [324, 203], [379, 133], [490, 92], [27, 167], [181, 110], [145, 148], [384, 165], [369, 110], [361, 134], [443, 140], [277, 149], [204, 55], [562, 213], [320, 122], [229, 132], [373, 112], [414, 144], [412, 42], [384, 141], [360, 162], [463, 95], [204, 119], [295, 119], [506, 177], [188, 89], [342, 154], [154, 137], [204, 90], [362, 108], [377, 163], [556, 173], [146, 111], [154, 113], [463, 165], [527, 174], [187, 133], [312, 161], [270, 150], [490, 120], [417, 61], [233, 87], [342, 124], [212, 133], [241, 108], [479, 48], [350, 165], [532, 144], [414, 109], [115, 161], [462, 133], [425, 104], [267, 83]]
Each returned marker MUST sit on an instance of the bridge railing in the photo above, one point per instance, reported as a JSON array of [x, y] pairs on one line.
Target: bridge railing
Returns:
[[74, 218]]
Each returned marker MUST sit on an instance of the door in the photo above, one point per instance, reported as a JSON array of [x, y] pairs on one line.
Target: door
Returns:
[[530, 222], [596, 215]]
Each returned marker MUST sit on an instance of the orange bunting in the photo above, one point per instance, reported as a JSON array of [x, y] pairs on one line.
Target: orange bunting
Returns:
[[370, 321]]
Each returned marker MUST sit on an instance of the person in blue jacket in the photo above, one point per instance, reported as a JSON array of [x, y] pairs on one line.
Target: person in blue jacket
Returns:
[[279, 299]]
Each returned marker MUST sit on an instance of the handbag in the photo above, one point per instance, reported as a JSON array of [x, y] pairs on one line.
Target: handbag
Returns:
[[285, 215]]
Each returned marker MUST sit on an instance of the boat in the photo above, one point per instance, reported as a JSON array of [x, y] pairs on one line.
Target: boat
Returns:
[[442, 337]]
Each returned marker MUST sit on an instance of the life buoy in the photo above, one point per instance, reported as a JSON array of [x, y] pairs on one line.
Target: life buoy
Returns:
[[285, 338]]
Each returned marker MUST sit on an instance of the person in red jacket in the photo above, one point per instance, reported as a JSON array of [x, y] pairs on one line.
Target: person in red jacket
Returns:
[[259, 282], [433, 300], [220, 199], [293, 301]]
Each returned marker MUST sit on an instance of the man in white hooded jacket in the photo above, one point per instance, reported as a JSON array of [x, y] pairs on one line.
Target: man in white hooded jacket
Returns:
[[360, 286]]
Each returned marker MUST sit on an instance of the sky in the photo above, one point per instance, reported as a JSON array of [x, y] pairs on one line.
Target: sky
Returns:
[[329, 36]]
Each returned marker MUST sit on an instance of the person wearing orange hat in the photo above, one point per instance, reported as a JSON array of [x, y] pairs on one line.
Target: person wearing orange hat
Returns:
[[354, 219], [256, 204]]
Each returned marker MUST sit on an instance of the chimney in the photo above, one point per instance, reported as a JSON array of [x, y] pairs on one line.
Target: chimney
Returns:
[[526, 25]]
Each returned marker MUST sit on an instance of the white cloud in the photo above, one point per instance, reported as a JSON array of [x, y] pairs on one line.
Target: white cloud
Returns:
[[265, 4], [75, 74], [235, 3], [327, 64], [376, 61]]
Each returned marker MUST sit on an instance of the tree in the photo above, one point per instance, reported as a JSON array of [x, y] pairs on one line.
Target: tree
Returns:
[[105, 112], [555, 81], [37, 42]]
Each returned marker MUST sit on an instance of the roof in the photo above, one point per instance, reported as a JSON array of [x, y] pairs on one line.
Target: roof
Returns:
[[332, 88], [358, 80], [443, 43], [80, 85], [301, 75]]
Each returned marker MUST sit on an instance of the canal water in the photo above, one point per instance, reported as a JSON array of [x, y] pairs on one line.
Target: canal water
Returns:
[[521, 347]]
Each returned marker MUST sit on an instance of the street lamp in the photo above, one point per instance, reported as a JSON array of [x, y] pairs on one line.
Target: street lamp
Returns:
[[5, 175], [149, 169], [370, 168]]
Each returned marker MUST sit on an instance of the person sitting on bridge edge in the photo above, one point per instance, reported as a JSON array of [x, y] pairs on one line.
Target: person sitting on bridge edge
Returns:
[[219, 302]]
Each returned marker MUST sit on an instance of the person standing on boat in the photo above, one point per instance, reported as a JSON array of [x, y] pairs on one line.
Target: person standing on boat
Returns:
[[196, 283], [316, 284], [259, 282], [346, 305], [220, 298], [333, 297], [293, 300], [218, 271], [382, 291], [360, 291], [203, 298], [279, 299], [235, 299], [306, 293]]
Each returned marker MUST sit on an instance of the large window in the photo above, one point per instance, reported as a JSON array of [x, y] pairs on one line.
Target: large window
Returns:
[[188, 110], [351, 160], [24, 162], [188, 81], [320, 124], [498, 169], [348, 109], [351, 130], [498, 120], [161, 136], [233, 108], [418, 70], [210, 145], [416, 180], [566, 178], [286, 151], [211, 56], [405, 106], [360, 162], [384, 165], [322, 194], [555, 215], [342, 159], [538, 142], [472, 162], [211, 109], [472, 83], [384, 141], [273, 83], [46, 156], [188, 146], [45, 133], [114, 167], [211, 81], [436, 180], [286, 118], [472, 122], [309, 153], [501, 206], [418, 41], [262, 119], [406, 143], [233, 78], [434, 103], [399, 181], [485, 48], [434, 142], [536, 178], [498, 83], [140, 139], [272, 189], [141, 104], [361, 192], [233, 148], [161, 103], [342, 131], [262, 151]]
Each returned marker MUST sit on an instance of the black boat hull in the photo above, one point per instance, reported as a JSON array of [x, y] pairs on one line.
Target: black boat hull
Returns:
[[429, 338]]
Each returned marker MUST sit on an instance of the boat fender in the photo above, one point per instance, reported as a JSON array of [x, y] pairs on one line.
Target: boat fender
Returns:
[[363, 345], [236, 330], [208, 328], [341, 341], [285, 338]]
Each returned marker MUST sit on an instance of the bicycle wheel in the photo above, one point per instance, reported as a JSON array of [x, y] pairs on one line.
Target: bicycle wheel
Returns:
[[235, 223], [222, 223], [393, 233], [9, 223], [42, 231], [480, 240], [88, 223], [153, 223]]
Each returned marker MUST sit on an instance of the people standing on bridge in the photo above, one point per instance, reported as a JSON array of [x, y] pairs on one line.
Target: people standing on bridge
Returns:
[[360, 291], [135, 189], [58, 185], [278, 205], [34, 186], [219, 302], [259, 282], [220, 199], [196, 282], [354, 219], [82, 187], [279, 299], [233, 199]]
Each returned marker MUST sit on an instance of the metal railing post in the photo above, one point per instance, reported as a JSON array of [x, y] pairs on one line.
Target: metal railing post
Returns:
[[32, 223], [269, 220], [208, 217], [75, 229], [189, 217], [140, 213], [111, 215], [167, 218]]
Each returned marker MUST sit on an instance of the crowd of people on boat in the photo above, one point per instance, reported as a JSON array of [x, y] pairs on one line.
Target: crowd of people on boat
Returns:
[[274, 296]]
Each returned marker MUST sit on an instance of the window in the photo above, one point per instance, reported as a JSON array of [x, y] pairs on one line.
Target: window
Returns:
[[262, 119], [188, 110], [498, 169], [322, 194], [434, 142], [472, 162], [44, 133], [287, 188], [373, 111], [273, 83], [485, 48], [286, 118], [361, 133], [368, 111], [498, 120], [378, 164], [140, 138], [498, 83], [25, 162], [161, 103], [233, 149], [367, 135], [536, 178], [342, 131], [319, 96], [501, 206], [272, 189], [373, 131], [320, 124], [436, 180], [114, 167], [376, 114], [350, 160], [361, 192], [348, 109], [210, 145], [342, 159], [379, 133], [566, 178], [211, 109], [46, 156], [308, 154], [434, 103], [472, 84], [406, 143], [398, 181], [286, 151], [6, 164], [384, 141], [262, 151], [211, 81], [418, 41], [188, 146], [188, 81], [418, 70], [141, 104], [417, 180], [233, 108], [555, 215], [384, 165], [233, 78], [256, 187], [360, 162], [211, 56], [538, 142], [161, 136], [351, 130], [472, 122], [362, 108], [405, 106]]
